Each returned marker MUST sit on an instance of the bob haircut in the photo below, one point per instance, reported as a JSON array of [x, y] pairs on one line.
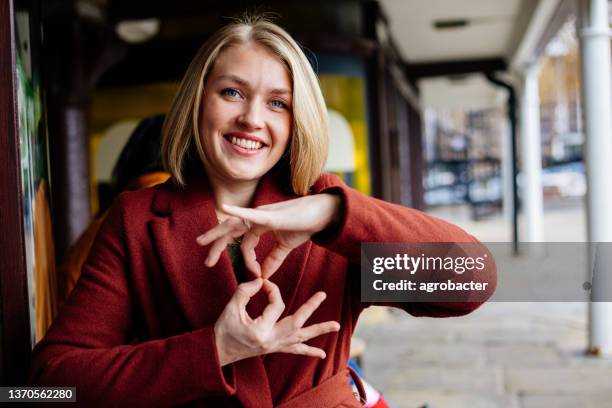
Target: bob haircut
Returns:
[[307, 150]]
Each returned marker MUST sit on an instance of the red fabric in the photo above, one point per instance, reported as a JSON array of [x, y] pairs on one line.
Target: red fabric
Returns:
[[138, 328], [332, 392]]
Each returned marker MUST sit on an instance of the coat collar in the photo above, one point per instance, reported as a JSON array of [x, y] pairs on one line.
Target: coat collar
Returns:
[[201, 292]]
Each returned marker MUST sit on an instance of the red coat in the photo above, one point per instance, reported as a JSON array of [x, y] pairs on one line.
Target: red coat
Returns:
[[146, 280]]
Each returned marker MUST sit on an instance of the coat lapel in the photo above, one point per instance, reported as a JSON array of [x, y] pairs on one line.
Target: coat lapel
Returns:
[[200, 291], [203, 292]]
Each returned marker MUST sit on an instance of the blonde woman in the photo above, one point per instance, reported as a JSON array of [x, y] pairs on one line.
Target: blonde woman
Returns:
[[236, 283]]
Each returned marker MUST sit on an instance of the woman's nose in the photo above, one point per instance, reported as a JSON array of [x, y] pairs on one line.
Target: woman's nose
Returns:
[[252, 116]]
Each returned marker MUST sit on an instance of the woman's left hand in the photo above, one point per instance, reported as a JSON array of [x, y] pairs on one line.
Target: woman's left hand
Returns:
[[292, 222]]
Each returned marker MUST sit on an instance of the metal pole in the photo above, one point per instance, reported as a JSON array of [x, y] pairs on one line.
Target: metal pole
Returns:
[[531, 150], [508, 181], [594, 33], [509, 159]]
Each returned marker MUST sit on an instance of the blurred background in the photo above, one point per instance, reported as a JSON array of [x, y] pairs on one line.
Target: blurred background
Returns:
[[492, 114]]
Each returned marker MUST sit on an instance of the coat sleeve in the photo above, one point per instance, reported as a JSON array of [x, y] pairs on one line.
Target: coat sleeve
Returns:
[[367, 219], [88, 344]]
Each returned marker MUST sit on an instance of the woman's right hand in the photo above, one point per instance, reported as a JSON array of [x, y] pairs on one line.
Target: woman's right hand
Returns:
[[238, 336]]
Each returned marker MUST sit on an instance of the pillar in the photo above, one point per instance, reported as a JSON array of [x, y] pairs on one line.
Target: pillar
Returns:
[[531, 156], [594, 34]]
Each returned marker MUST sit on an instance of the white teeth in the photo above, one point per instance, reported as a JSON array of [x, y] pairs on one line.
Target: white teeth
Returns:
[[245, 143]]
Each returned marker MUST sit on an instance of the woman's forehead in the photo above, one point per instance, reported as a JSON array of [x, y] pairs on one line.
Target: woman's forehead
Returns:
[[251, 64]]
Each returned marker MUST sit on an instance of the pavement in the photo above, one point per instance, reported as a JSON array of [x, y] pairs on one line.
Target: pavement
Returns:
[[510, 354]]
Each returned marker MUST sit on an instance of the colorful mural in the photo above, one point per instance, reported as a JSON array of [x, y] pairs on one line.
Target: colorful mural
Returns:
[[39, 249]]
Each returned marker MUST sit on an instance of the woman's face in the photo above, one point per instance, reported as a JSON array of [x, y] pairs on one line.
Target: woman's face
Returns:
[[246, 119]]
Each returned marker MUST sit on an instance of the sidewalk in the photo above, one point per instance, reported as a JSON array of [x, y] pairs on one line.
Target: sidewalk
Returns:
[[517, 355]]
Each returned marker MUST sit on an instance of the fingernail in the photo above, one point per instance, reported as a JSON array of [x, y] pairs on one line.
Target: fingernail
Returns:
[[323, 357]]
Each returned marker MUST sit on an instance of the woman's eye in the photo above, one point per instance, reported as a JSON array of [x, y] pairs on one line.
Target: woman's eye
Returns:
[[278, 104], [230, 92]]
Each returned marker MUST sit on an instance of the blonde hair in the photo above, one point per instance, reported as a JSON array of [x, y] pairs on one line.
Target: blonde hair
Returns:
[[309, 138]]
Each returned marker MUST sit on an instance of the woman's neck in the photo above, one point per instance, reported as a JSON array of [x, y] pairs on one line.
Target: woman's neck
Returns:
[[237, 193]]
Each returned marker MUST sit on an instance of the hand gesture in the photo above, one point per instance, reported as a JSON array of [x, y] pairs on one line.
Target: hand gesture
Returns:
[[292, 222], [238, 336]]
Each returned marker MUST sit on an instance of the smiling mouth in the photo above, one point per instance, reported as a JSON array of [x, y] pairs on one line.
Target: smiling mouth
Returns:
[[244, 143]]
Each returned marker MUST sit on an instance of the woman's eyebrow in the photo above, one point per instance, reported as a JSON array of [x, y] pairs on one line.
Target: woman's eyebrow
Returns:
[[242, 82], [233, 78], [281, 91]]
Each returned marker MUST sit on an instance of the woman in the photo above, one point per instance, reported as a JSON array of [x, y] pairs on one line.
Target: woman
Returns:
[[164, 315]]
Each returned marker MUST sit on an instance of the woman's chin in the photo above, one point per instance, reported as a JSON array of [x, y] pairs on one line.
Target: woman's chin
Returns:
[[243, 175]]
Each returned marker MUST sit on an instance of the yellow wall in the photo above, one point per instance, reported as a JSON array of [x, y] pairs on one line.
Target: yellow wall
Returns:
[[346, 94]]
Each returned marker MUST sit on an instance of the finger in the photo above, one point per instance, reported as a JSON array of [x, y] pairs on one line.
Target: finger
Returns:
[[274, 260], [307, 309], [275, 306], [255, 216], [217, 232], [316, 330], [246, 291], [249, 242], [304, 350], [215, 251]]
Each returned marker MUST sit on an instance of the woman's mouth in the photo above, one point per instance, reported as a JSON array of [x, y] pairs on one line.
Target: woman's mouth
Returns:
[[245, 143], [244, 146]]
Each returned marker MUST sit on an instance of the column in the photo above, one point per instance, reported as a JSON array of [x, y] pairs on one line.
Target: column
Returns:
[[594, 33], [531, 156]]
